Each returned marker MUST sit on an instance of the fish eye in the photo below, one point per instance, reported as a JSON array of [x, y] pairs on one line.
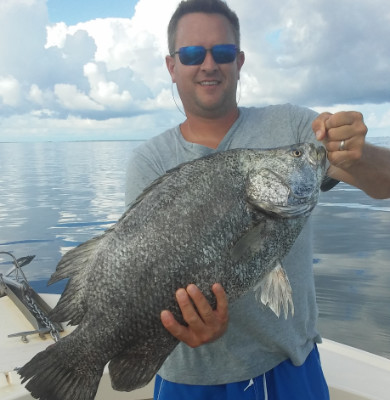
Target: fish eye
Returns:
[[296, 153]]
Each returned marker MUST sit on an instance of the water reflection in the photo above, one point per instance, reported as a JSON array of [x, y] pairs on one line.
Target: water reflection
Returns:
[[54, 196], [352, 268]]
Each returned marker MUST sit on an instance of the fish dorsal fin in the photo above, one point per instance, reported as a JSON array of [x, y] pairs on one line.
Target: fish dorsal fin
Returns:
[[75, 266]]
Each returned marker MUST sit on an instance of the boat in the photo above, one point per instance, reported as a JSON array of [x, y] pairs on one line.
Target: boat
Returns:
[[26, 329]]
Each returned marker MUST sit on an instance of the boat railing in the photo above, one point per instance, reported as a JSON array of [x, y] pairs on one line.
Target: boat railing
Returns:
[[15, 285]]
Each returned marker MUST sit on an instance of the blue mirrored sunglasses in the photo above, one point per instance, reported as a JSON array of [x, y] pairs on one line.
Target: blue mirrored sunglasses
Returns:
[[195, 55]]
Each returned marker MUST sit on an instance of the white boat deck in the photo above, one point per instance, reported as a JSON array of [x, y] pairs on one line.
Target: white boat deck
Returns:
[[351, 374], [15, 353], [354, 374]]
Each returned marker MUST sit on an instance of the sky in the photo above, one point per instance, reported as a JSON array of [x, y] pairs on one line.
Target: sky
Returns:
[[95, 69]]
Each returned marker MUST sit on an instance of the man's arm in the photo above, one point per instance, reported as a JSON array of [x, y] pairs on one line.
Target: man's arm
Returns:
[[352, 160]]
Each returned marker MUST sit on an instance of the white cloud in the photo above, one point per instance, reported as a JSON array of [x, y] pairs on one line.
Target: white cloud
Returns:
[[72, 99], [22, 32], [317, 54], [36, 95], [10, 91], [106, 93], [40, 125], [56, 35]]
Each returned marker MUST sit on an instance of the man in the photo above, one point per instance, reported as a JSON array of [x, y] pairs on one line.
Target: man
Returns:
[[255, 355]]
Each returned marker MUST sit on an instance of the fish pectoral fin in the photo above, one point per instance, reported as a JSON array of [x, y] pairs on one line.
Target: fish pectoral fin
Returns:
[[136, 367], [274, 291], [283, 211], [250, 243]]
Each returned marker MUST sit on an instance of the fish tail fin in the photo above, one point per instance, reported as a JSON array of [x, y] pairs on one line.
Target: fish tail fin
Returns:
[[274, 291], [49, 378]]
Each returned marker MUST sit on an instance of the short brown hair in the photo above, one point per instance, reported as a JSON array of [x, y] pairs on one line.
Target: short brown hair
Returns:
[[203, 6]]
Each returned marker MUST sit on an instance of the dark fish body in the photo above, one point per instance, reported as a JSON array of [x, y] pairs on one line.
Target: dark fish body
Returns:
[[230, 218]]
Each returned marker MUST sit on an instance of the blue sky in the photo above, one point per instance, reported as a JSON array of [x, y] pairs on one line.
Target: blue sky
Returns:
[[95, 70], [73, 11]]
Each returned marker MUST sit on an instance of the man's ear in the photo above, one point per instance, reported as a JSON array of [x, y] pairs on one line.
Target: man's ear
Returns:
[[240, 61], [170, 63]]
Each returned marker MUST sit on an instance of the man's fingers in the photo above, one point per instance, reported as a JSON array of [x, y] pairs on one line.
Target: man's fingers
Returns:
[[190, 300], [205, 312], [222, 302], [204, 323], [203, 307], [171, 325], [339, 126], [343, 118], [319, 126]]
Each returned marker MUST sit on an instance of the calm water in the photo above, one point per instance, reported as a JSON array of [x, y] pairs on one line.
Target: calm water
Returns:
[[54, 196]]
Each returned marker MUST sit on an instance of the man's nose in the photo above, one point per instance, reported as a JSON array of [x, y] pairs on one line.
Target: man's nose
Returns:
[[209, 63]]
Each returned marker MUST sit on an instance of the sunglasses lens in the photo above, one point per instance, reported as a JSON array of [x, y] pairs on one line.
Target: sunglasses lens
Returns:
[[224, 53], [192, 55], [195, 55]]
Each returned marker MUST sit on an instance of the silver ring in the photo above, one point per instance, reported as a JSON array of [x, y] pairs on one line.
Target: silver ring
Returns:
[[342, 145]]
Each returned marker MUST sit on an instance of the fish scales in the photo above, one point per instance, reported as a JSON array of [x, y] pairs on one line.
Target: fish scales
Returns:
[[230, 218]]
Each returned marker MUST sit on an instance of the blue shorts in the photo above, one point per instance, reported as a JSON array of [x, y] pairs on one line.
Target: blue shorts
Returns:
[[284, 382]]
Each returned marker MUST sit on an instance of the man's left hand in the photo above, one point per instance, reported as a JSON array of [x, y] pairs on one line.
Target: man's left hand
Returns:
[[343, 135]]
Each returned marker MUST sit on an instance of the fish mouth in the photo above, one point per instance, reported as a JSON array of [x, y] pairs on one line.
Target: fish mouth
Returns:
[[317, 156]]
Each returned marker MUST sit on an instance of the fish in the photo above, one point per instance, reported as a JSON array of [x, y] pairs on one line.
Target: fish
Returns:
[[229, 217]]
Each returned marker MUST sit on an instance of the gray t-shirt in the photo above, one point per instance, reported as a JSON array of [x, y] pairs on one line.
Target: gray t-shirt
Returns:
[[256, 340]]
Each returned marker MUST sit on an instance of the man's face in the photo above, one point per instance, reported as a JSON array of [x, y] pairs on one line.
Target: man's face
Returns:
[[208, 89]]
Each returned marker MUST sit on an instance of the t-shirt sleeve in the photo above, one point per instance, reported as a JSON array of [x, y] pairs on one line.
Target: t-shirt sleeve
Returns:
[[301, 119], [140, 173]]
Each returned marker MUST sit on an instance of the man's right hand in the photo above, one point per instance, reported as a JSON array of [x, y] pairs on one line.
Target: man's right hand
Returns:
[[204, 324]]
